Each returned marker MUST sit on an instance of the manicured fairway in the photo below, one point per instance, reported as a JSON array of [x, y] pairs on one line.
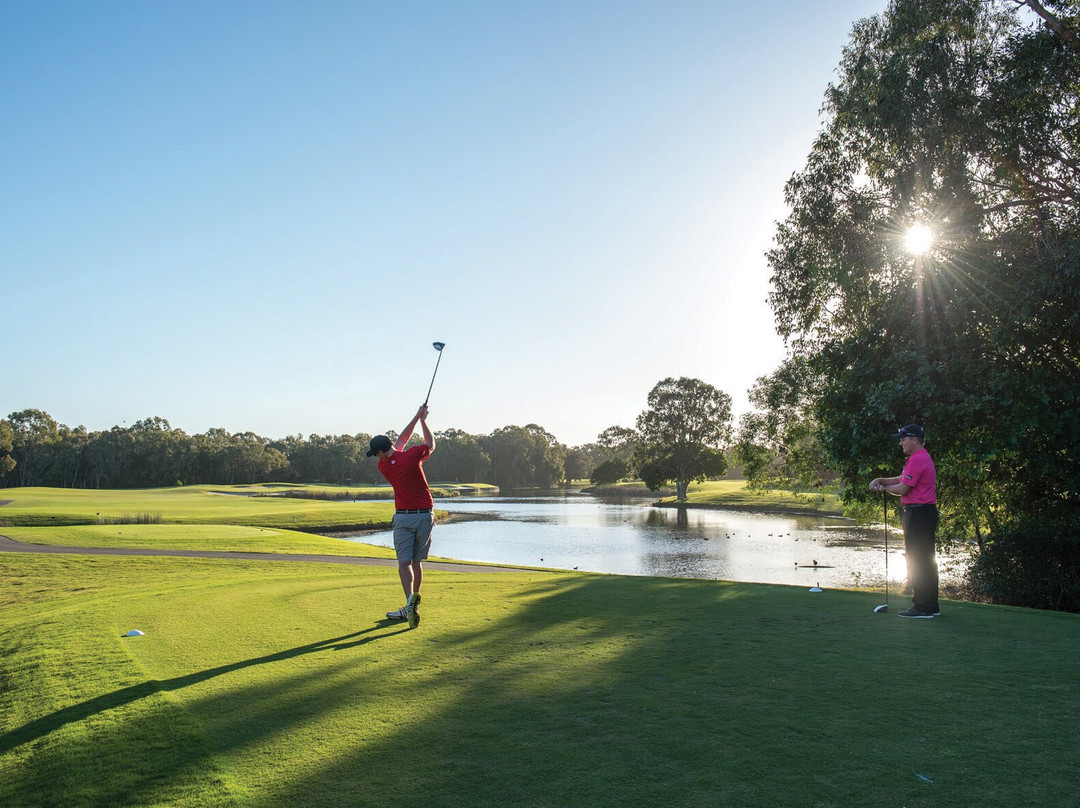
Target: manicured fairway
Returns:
[[221, 538], [199, 504], [277, 684], [736, 494]]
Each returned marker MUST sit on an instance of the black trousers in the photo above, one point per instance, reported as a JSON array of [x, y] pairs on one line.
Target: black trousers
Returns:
[[920, 525]]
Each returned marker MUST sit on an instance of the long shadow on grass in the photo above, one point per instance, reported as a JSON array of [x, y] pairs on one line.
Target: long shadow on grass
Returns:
[[608, 691], [593, 691], [108, 701]]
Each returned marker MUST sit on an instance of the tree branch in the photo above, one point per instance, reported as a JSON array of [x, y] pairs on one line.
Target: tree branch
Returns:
[[1055, 24], [1016, 203]]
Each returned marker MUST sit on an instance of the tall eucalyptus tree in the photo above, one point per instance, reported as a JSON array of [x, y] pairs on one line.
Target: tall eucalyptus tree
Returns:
[[962, 117]]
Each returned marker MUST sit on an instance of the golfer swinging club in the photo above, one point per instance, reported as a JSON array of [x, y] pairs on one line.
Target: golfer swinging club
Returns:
[[413, 521]]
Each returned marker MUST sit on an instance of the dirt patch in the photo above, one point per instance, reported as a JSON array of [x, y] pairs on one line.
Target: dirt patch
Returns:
[[5, 502]]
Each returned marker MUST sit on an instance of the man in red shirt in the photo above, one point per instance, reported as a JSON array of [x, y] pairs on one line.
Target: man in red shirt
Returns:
[[917, 488], [413, 521]]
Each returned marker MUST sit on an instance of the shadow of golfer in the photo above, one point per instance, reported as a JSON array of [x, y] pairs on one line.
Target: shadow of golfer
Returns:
[[41, 727]]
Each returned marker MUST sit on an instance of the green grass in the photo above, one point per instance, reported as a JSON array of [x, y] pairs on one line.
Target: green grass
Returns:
[[276, 684], [196, 504], [221, 538], [736, 494], [383, 491]]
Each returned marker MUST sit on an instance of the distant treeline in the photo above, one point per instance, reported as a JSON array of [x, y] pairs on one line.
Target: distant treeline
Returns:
[[37, 451]]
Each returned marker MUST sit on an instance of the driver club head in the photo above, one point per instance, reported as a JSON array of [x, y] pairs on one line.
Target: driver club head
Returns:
[[438, 346], [884, 607]]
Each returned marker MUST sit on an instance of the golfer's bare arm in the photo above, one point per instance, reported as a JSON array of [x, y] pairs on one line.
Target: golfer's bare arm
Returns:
[[429, 439], [406, 433], [891, 485]]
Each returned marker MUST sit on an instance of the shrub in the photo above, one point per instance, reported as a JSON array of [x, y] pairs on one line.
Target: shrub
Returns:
[[608, 472], [131, 519], [1035, 564]]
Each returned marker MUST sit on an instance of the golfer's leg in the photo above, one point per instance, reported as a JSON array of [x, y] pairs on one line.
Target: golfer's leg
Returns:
[[916, 566], [922, 563], [405, 571], [910, 553], [927, 527], [405, 548], [422, 546]]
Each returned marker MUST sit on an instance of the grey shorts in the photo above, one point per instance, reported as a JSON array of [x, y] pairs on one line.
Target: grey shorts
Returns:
[[412, 535]]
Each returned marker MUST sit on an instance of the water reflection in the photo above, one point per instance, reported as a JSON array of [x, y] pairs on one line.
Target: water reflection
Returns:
[[630, 537]]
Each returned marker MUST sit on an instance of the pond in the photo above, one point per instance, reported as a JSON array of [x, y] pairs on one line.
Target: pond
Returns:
[[630, 537]]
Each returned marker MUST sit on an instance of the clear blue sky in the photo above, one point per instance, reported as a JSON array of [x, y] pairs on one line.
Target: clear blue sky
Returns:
[[259, 215]]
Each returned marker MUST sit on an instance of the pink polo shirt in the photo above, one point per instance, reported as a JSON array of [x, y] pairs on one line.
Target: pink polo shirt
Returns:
[[920, 474]]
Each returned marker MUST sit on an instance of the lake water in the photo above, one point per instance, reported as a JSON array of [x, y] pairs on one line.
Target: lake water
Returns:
[[578, 531]]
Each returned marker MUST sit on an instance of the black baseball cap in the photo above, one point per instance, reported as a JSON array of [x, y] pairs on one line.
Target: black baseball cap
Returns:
[[914, 430], [380, 443]]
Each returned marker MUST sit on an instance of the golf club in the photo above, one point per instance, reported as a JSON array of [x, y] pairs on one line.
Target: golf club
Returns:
[[438, 346], [884, 607]]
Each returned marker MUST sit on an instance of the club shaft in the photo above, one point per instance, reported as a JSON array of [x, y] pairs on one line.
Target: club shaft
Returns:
[[437, 361], [885, 511]]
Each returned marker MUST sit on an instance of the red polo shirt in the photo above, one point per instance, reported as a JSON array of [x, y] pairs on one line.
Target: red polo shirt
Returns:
[[403, 470]]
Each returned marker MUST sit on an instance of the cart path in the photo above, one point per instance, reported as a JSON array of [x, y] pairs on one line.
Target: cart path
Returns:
[[9, 545]]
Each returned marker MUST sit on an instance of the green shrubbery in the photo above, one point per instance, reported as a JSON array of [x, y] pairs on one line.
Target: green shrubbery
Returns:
[[145, 518], [609, 472], [1036, 564]]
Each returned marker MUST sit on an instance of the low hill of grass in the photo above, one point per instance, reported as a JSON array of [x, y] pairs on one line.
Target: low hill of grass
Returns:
[[197, 504], [737, 494], [217, 538]]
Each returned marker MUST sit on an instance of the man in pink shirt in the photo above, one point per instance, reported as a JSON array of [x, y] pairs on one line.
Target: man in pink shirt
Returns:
[[414, 519], [917, 488]]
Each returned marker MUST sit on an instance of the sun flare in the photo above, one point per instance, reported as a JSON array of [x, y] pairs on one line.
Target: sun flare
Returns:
[[918, 239]]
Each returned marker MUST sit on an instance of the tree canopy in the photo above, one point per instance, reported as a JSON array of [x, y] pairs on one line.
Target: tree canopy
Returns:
[[36, 450], [960, 116], [778, 442], [681, 436]]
